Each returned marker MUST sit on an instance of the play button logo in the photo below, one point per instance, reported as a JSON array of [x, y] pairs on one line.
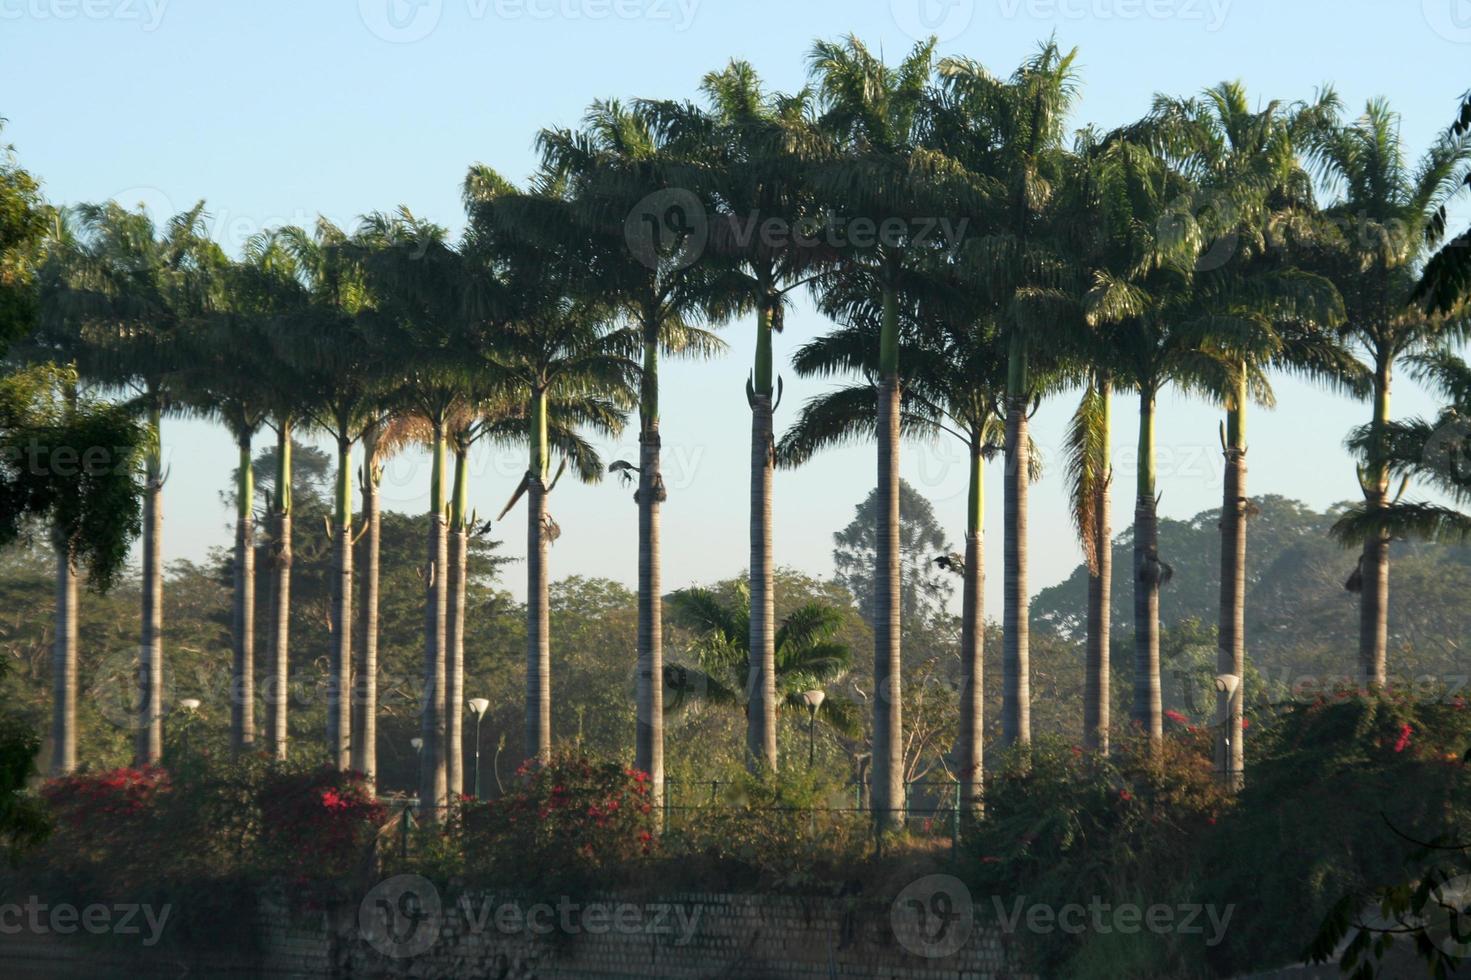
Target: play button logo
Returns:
[[1451, 19], [401, 21], [944, 19]]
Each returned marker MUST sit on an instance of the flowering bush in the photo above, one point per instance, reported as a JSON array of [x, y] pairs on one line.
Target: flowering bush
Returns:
[[318, 822], [568, 819]]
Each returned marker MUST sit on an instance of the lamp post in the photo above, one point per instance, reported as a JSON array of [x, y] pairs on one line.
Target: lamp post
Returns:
[[189, 706], [418, 744], [813, 700], [478, 707]]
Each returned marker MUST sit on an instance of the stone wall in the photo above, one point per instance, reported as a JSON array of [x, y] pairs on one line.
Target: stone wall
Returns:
[[406, 928]]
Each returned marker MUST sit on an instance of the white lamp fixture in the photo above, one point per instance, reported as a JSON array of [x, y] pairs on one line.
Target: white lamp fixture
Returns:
[[813, 699], [1227, 683], [478, 706], [417, 743], [190, 705]]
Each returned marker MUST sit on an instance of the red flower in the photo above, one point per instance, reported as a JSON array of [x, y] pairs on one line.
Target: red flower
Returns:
[[1176, 717], [1405, 731], [1125, 795]]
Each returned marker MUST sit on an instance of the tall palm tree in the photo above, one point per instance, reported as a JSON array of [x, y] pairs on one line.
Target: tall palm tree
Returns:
[[874, 163], [562, 365], [414, 275], [345, 375], [808, 656], [1011, 131], [132, 291], [953, 376], [1250, 192], [641, 235], [1380, 230], [743, 154]]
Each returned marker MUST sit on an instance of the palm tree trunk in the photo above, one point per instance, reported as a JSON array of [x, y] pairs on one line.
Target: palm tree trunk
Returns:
[[538, 606], [365, 727], [433, 776], [242, 687], [1148, 708], [150, 722], [1374, 563], [339, 688], [1098, 685], [970, 750], [761, 693], [1231, 634], [280, 693], [888, 666], [64, 662], [454, 688], [1016, 670], [649, 736]]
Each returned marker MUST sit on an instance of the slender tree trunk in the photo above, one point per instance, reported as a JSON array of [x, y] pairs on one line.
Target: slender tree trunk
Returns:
[[538, 605], [1374, 563], [970, 750], [150, 721], [1231, 633], [1016, 670], [433, 775], [649, 737], [339, 688], [454, 688], [761, 685], [280, 693], [242, 686], [365, 726], [888, 665], [64, 662], [1148, 707], [1098, 686]]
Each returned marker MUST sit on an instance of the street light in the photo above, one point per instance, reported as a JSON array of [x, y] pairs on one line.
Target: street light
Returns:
[[813, 700], [188, 706], [418, 744], [1226, 687], [478, 707]]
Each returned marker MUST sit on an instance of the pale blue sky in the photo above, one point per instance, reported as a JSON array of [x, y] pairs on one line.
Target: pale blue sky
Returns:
[[275, 111]]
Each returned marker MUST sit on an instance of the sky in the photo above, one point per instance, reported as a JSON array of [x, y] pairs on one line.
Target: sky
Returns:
[[276, 111]]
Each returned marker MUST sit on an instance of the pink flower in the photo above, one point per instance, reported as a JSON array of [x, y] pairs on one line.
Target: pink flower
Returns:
[[1176, 717], [1401, 743]]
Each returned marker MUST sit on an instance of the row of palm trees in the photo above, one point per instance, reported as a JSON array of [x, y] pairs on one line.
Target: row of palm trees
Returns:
[[975, 260]]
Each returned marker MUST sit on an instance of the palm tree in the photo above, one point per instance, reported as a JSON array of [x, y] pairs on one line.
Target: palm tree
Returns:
[[808, 656], [131, 292], [561, 365], [344, 376], [743, 155], [641, 235], [953, 374], [415, 277], [1386, 215], [1011, 131], [873, 162], [1268, 314]]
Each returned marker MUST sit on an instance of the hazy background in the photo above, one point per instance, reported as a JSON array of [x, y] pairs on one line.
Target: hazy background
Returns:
[[277, 110]]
